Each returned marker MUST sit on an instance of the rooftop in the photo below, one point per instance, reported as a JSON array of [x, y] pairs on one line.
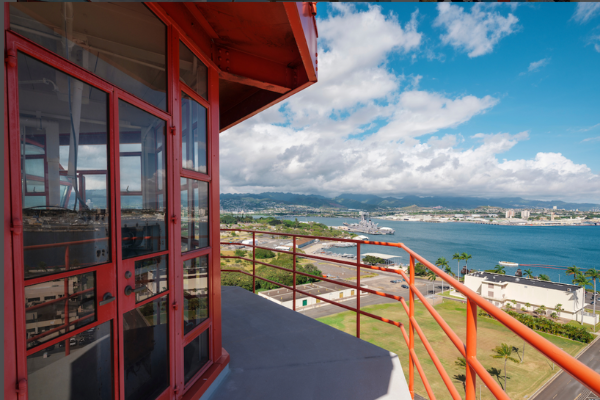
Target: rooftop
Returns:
[[275, 350], [492, 277], [318, 288]]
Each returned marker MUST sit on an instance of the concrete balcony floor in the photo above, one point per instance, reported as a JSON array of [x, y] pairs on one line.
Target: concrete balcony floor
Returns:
[[277, 353]]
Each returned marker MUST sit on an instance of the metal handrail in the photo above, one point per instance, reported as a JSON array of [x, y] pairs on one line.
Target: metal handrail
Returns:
[[474, 368]]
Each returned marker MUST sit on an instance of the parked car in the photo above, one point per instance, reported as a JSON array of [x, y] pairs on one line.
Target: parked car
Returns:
[[405, 286], [396, 281]]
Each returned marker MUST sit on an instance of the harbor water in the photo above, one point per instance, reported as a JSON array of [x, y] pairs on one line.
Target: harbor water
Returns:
[[556, 246]]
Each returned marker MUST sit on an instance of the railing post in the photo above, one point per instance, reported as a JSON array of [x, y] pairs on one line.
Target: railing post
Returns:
[[411, 329], [66, 295], [294, 273], [358, 290], [254, 262], [471, 382]]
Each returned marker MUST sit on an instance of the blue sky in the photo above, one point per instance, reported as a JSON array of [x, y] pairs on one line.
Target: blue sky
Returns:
[[481, 99]]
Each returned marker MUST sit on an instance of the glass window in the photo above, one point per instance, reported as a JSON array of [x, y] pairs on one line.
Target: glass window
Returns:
[[143, 181], [195, 355], [151, 273], [123, 43], [77, 368], [64, 169], [194, 214], [193, 134], [68, 304], [195, 292], [192, 71], [146, 350]]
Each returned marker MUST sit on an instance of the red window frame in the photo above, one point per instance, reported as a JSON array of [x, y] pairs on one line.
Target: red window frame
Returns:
[[114, 280]]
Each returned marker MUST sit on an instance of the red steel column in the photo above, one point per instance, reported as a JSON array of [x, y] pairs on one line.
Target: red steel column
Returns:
[[294, 274], [358, 290], [253, 262], [471, 382], [67, 341], [411, 329]]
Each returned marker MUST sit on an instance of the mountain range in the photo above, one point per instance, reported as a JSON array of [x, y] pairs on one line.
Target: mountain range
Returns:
[[371, 202]]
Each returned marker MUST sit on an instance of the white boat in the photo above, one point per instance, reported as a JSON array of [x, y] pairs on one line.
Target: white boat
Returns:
[[508, 264]]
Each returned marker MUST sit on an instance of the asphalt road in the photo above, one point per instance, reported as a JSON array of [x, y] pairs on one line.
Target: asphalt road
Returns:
[[565, 387]]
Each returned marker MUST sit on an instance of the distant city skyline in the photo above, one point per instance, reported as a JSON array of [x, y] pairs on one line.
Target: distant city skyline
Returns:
[[484, 99]]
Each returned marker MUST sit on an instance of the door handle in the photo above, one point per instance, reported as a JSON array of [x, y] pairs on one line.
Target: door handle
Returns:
[[129, 290], [107, 298]]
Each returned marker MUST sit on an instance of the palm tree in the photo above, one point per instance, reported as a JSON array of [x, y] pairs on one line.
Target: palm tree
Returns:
[[529, 273], [559, 308], [504, 351], [541, 310], [448, 270], [543, 277], [432, 277], [573, 271], [499, 269], [458, 257], [527, 305], [583, 281], [466, 257], [594, 274], [442, 263]]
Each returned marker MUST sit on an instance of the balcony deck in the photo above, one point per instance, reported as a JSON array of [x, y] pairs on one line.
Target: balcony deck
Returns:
[[278, 353]]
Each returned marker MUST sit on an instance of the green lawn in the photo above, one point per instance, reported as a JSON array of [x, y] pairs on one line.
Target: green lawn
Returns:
[[523, 378], [447, 294]]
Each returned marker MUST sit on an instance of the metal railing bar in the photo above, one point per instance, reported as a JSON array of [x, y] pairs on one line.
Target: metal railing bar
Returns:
[[43, 246], [574, 367], [584, 374], [436, 361], [415, 359], [445, 327], [49, 302]]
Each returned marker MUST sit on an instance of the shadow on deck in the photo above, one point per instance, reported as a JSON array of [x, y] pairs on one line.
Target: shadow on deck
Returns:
[[277, 353]]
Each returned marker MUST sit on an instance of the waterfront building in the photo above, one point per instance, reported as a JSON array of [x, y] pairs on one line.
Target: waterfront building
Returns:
[[510, 213], [525, 214], [503, 289]]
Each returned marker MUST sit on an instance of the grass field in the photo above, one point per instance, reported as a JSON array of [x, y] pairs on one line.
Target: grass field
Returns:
[[522, 378]]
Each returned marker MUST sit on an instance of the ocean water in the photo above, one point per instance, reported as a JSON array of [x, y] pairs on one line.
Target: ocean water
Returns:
[[556, 246]]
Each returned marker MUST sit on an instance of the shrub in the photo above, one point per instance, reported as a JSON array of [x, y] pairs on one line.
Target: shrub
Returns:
[[262, 253], [579, 334]]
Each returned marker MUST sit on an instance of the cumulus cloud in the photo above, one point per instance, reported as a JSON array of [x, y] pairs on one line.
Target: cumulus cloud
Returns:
[[475, 32], [367, 130], [586, 11]]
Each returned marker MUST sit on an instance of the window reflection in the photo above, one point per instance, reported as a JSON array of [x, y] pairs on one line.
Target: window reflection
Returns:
[[195, 355], [56, 307], [194, 214], [64, 170], [193, 134], [146, 350], [122, 43], [74, 369], [143, 181], [192, 71], [151, 274], [195, 292]]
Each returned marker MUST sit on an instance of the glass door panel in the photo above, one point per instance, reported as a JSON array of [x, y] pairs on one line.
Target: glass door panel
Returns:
[[143, 181], [84, 371], [64, 168], [146, 350]]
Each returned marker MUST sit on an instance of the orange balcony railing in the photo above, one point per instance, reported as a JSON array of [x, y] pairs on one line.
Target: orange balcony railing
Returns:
[[474, 368]]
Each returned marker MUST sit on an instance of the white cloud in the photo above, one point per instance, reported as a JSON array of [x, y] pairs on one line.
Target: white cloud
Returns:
[[591, 139], [586, 11], [534, 66], [363, 129], [476, 32], [589, 128]]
